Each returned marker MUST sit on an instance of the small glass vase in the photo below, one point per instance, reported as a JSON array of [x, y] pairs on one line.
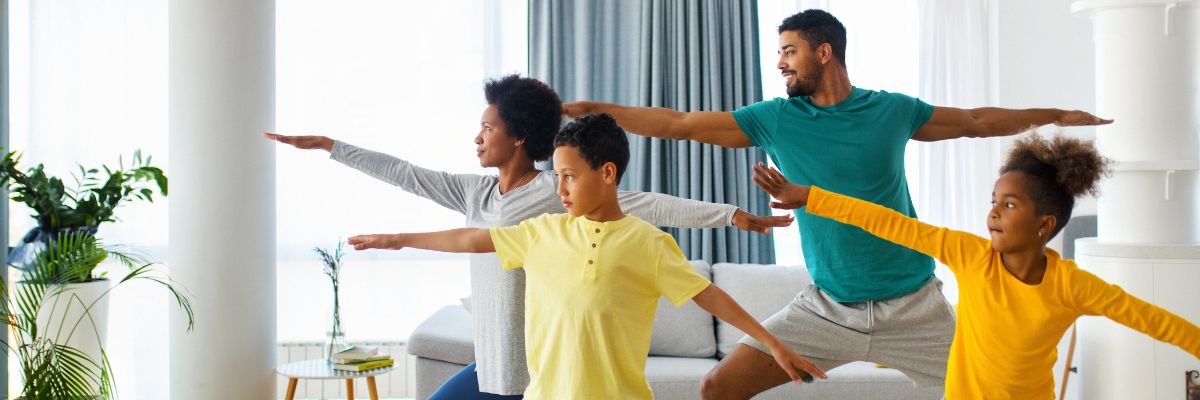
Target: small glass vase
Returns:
[[333, 344], [335, 338]]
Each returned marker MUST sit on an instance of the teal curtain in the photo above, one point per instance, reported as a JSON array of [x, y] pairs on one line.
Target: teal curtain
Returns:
[[684, 55]]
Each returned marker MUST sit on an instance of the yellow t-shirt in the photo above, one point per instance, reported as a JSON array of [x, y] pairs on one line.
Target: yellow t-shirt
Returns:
[[1007, 332], [591, 290]]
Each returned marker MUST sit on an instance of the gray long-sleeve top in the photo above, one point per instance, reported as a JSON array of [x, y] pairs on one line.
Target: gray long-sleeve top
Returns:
[[498, 297]]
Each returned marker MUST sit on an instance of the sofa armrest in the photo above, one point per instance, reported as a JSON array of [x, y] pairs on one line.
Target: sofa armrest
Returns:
[[445, 336]]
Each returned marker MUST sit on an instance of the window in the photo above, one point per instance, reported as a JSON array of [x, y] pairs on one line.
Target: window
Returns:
[[403, 78], [89, 83]]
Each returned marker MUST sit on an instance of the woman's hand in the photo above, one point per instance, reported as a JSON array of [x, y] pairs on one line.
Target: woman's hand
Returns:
[[302, 142], [761, 224]]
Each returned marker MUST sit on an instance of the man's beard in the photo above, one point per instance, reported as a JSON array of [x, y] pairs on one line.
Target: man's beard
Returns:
[[806, 85]]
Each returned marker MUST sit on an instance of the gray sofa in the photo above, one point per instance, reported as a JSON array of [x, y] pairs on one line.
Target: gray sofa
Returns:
[[687, 343]]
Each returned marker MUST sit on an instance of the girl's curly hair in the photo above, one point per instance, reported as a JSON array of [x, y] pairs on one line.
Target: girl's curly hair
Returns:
[[1058, 169]]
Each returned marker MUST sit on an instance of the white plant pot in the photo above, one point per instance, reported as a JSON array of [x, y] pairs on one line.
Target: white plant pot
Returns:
[[62, 316]]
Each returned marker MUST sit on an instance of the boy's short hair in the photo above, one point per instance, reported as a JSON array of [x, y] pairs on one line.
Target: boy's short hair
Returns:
[[599, 139]]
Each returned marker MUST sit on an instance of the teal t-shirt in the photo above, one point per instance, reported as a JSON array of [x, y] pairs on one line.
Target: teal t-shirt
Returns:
[[856, 148]]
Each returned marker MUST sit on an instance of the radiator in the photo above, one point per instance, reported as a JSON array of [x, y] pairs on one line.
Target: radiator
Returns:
[[398, 384]]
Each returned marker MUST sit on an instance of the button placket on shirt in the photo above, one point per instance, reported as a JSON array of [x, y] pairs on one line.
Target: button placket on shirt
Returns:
[[595, 235]]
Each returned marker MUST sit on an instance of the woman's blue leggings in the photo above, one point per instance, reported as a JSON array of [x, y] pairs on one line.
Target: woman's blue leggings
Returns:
[[465, 385]]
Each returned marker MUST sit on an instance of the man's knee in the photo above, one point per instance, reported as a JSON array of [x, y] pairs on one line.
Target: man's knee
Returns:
[[709, 386], [716, 385]]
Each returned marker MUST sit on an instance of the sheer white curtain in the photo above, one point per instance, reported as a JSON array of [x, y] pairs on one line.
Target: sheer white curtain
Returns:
[[89, 85], [953, 179], [881, 54]]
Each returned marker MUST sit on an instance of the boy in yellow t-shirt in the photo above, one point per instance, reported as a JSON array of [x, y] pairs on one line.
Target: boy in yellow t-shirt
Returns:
[[593, 276], [1017, 297]]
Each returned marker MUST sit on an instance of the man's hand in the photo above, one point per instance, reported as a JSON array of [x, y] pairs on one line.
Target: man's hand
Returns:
[[302, 142], [791, 196], [800, 369], [576, 109], [376, 241], [761, 224], [1079, 118]]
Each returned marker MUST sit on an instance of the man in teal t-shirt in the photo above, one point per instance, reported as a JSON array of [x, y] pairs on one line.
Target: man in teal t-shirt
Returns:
[[871, 300], [856, 146]]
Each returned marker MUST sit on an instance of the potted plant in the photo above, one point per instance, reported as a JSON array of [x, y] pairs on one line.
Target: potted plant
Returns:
[[63, 212], [84, 207], [53, 330]]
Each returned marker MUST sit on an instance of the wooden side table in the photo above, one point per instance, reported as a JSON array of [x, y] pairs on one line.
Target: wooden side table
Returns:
[[320, 369]]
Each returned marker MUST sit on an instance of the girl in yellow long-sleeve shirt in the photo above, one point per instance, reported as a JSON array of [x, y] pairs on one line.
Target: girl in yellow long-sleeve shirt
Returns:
[[1017, 297]]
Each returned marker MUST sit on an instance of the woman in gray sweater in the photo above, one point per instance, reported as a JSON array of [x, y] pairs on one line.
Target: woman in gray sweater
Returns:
[[516, 129]]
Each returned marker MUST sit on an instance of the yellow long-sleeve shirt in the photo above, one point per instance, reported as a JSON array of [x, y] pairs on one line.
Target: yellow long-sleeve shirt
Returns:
[[1007, 331]]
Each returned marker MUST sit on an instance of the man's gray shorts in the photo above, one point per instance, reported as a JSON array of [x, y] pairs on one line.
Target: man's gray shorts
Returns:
[[911, 333]]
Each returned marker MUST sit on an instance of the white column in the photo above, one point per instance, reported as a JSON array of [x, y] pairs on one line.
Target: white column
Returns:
[[1148, 80], [222, 217]]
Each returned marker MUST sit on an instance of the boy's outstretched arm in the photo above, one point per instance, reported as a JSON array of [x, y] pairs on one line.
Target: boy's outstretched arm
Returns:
[[718, 303], [462, 240]]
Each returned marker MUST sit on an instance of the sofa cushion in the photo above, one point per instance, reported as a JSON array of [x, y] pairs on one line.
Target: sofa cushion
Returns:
[[762, 290], [445, 336], [686, 331], [856, 380], [679, 378]]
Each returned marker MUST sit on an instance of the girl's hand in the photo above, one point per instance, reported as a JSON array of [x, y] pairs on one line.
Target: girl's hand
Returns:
[[791, 196]]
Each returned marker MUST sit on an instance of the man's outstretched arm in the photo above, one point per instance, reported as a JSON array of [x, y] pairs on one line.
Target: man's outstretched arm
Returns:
[[953, 123], [710, 127]]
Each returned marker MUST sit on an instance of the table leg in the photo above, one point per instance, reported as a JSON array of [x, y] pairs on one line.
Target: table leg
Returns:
[[291, 393], [350, 389], [371, 388]]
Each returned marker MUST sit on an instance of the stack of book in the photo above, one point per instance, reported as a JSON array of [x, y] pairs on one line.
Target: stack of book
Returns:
[[360, 358]]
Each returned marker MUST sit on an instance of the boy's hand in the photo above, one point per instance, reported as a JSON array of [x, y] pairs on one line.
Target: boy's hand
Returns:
[[377, 241], [302, 142], [761, 224], [791, 196], [797, 367]]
